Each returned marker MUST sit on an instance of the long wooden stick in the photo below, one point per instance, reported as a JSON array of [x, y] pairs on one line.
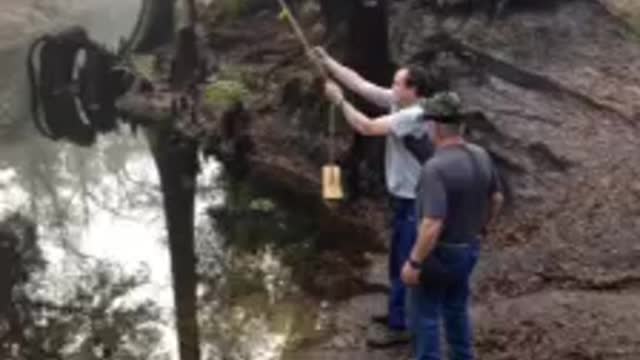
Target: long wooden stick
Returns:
[[297, 29]]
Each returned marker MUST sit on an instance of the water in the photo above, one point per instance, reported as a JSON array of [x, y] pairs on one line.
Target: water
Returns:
[[106, 21], [103, 206], [93, 207], [100, 224]]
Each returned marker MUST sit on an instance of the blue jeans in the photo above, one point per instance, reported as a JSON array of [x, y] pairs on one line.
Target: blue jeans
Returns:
[[403, 237], [428, 304]]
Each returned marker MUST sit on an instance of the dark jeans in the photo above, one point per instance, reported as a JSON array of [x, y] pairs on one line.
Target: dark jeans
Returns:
[[403, 237], [428, 304]]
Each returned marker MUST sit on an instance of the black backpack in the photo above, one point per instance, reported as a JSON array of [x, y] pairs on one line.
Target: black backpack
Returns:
[[420, 147]]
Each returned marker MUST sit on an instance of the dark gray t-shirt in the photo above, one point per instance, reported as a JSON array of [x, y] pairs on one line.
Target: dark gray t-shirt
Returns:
[[452, 188]]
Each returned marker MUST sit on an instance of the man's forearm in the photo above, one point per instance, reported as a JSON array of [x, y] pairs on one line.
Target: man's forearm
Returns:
[[344, 75], [358, 121], [427, 236], [356, 83]]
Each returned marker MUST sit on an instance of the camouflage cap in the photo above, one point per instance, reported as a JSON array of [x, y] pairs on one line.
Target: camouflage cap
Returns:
[[442, 107]]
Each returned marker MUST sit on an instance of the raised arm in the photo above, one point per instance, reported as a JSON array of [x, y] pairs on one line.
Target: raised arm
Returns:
[[400, 123], [371, 92]]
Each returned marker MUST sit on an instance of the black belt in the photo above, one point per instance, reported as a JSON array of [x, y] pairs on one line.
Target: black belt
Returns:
[[454, 245]]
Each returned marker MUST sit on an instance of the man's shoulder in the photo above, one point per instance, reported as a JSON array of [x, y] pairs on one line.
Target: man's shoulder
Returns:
[[446, 159], [406, 121], [413, 111], [479, 151], [474, 147]]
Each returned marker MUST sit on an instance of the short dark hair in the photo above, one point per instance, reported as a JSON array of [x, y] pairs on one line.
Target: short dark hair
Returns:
[[424, 82]]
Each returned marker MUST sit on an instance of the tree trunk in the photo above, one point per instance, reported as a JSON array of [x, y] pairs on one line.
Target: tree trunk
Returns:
[[366, 50], [177, 162], [177, 166]]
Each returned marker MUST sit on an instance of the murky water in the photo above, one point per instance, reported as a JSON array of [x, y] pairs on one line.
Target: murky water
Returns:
[[101, 227], [102, 207]]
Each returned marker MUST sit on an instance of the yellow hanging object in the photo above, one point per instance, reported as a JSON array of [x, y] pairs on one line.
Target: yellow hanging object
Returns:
[[331, 183], [331, 174]]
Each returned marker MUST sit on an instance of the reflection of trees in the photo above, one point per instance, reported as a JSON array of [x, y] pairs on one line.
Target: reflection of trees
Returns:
[[88, 319], [251, 302], [252, 307], [66, 184]]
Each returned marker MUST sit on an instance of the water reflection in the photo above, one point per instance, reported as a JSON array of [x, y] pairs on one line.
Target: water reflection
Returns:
[[99, 221], [253, 303], [99, 217]]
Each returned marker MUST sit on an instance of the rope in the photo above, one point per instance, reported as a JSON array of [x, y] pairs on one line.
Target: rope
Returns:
[[332, 134]]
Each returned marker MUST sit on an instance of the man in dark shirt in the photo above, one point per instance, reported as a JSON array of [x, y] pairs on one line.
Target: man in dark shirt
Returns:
[[458, 195]]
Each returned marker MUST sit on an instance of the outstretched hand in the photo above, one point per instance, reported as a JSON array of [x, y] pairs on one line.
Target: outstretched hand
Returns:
[[320, 54], [333, 92], [320, 57]]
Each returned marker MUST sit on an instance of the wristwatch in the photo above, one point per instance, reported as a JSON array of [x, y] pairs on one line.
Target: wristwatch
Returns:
[[414, 264]]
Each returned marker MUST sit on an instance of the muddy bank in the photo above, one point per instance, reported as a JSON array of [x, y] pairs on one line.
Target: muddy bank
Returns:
[[558, 85]]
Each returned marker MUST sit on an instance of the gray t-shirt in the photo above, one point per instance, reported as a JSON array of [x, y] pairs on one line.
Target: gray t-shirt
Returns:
[[401, 166], [452, 188]]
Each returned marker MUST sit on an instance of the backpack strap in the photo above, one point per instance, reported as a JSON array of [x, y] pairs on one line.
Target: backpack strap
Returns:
[[420, 147], [472, 158]]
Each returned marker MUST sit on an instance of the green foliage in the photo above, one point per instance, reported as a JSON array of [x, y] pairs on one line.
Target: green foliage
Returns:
[[144, 65], [284, 15], [223, 94]]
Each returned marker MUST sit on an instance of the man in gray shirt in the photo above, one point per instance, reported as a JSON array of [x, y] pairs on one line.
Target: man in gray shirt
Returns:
[[458, 195], [402, 167]]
